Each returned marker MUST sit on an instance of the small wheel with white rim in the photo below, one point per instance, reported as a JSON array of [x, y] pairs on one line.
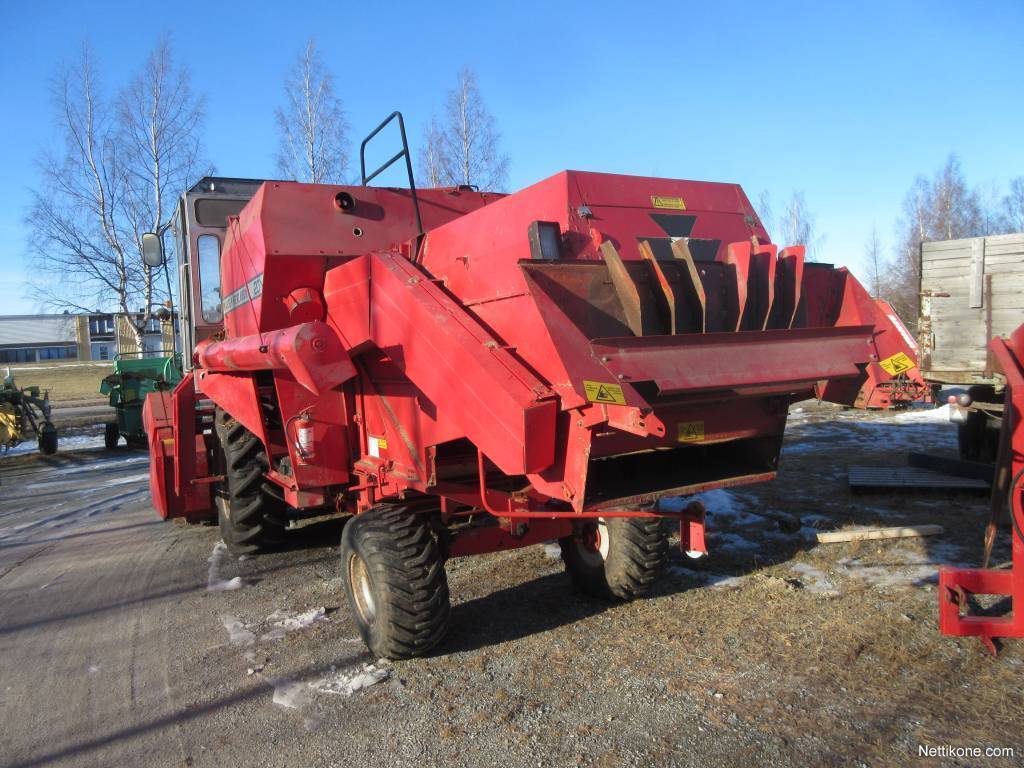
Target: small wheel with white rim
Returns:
[[616, 558]]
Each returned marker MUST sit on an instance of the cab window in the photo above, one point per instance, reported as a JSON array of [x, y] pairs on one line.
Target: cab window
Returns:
[[209, 278]]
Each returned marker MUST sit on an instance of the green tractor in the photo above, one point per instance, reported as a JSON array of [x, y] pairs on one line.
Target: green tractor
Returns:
[[23, 410], [135, 376]]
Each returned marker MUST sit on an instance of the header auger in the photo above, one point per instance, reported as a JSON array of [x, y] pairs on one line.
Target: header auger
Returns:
[[468, 372]]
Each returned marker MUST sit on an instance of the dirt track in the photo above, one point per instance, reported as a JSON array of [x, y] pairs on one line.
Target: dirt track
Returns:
[[114, 649]]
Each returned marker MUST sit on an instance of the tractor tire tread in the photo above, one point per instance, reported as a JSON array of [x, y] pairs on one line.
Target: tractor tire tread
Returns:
[[406, 569]]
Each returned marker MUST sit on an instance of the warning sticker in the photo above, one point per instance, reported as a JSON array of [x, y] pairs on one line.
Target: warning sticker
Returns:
[[599, 392], [675, 203], [897, 364], [691, 431], [376, 445]]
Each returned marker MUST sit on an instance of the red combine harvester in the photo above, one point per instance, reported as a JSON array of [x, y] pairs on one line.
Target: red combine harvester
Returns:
[[469, 372]]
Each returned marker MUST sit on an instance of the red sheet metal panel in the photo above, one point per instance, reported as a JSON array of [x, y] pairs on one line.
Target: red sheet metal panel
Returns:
[[711, 361]]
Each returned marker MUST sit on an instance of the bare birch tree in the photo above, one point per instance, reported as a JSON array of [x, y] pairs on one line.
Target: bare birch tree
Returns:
[[432, 159], [876, 263], [123, 163], [1013, 206], [313, 144], [940, 208], [463, 148], [796, 226]]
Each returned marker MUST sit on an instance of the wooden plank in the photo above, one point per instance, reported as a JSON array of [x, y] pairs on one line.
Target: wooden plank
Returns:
[[946, 245], [946, 259], [868, 534], [1003, 251], [946, 268], [1009, 268]]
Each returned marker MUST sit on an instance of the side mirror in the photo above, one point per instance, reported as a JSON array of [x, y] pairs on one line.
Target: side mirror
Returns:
[[152, 250]]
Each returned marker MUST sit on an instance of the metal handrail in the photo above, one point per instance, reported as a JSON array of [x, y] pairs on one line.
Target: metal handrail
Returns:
[[395, 158]]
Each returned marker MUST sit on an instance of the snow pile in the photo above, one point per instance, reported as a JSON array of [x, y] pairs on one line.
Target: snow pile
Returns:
[[295, 694], [214, 583], [552, 551], [346, 683], [286, 621], [238, 633], [940, 414]]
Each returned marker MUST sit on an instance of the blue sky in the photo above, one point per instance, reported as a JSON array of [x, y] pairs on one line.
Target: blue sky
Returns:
[[846, 102]]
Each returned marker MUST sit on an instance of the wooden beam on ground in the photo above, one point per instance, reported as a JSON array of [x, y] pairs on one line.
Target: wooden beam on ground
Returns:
[[868, 534]]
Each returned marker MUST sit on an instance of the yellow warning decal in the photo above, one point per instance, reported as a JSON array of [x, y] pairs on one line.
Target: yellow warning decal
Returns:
[[675, 203], [691, 431], [897, 364], [599, 392]]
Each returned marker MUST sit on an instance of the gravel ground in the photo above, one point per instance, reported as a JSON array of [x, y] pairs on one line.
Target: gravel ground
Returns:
[[128, 641]]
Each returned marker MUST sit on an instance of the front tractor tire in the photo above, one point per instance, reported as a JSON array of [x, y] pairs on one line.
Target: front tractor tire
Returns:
[[249, 512], [395, 582], [618, 558]]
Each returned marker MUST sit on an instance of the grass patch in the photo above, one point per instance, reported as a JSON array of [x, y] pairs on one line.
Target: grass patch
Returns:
[[67, 382]]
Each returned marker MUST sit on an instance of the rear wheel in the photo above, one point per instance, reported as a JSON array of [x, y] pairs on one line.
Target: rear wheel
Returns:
[[249, 513], [111, 435], [395, 582], [618, 558]]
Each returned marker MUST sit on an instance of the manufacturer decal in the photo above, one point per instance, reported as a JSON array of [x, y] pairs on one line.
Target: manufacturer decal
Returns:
[[599, 392], [675, 203], [241, 296]]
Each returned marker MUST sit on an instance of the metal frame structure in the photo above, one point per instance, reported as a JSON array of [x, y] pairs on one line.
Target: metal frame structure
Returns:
[[959, 586]]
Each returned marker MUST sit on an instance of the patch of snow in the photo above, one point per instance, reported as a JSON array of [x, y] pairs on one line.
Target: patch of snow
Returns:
[[903, 567], [552, 551], [226, 586], [813, 579], [719, 503], [286, 621], [64, 444], [346, 683], [293, 694], [214, 583], [238, 633], [940, 414]]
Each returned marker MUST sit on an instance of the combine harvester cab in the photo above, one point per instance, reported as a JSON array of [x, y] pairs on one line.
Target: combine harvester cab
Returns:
[[469, 373]]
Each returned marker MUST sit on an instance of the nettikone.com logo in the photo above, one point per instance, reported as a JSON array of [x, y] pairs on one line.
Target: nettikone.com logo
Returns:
[[948, 750]]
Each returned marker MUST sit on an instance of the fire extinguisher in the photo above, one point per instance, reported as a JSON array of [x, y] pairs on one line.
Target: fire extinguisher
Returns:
[[304, 437]]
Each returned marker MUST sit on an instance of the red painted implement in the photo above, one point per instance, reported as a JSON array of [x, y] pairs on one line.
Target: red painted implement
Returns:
[[958, 586], [469, 372]]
